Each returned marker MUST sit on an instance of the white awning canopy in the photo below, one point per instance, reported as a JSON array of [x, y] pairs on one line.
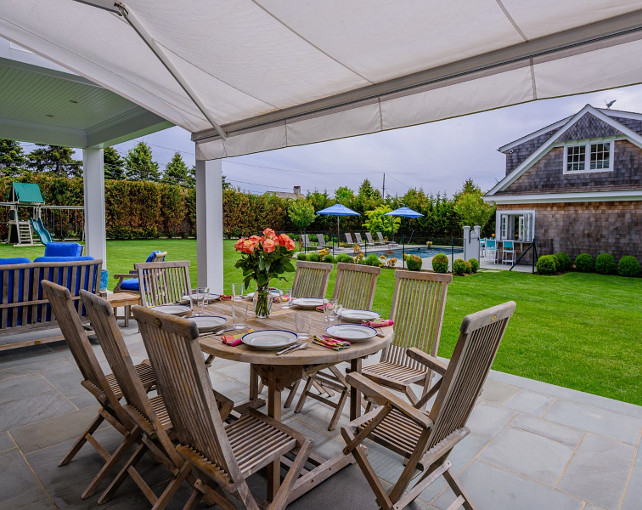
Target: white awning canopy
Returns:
[[246, 76]]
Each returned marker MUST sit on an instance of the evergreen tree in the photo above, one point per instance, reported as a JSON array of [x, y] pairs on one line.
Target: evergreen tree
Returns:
[[13, 161], [55, 159], [114, 164], [139, 165], [367, 198], [176, 171]]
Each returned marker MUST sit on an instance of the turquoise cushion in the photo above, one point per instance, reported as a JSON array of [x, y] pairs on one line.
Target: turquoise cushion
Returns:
[[130, 284]]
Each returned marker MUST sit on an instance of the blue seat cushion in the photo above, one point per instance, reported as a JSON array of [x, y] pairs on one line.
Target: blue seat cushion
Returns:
[[63, 250], [130, 284], [14, 260], [62, 259]]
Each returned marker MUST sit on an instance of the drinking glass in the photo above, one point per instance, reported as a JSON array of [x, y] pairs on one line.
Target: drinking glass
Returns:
[[331, 311], [239, 315], [198, 300], [286, 298], [237, 291], [303, 322]]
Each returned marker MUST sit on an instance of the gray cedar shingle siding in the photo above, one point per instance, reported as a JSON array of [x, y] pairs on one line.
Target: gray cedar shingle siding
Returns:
[[586, 128], [632, 124], [524, 150], [587, 227], [547, 175]]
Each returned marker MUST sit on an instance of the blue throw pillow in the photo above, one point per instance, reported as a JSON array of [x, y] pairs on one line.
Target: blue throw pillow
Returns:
[[14, 260], [63, 250]]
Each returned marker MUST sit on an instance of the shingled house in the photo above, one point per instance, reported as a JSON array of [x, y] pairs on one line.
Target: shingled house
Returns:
[[575, 185]]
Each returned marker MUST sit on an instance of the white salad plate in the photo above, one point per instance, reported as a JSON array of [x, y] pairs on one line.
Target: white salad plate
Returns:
[[351, 332], [308, 302], [209, 296], [274, 292], [269, 339], [173, 309], [206, 323], [358, 315]]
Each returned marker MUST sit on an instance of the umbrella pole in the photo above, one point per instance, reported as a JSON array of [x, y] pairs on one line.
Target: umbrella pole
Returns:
[[403, 251]]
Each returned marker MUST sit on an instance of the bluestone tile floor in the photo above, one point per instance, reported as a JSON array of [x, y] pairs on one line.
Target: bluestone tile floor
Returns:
[[532, 445]]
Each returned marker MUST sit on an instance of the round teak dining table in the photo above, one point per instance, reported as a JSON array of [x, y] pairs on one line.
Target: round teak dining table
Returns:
[[279, 372]]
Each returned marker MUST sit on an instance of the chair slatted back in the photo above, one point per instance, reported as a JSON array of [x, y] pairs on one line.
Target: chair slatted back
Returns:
[[479, 339], [306, 241], [380, 236], [76, 338], [369, 238], [355, 285], [321, 240], [418, 307], [311, 279], [163, 283], [111, 340], [174, 351], [358, 237], [349, 239]]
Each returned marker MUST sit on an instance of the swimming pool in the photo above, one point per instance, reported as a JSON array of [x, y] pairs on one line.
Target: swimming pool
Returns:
[[422, 251]]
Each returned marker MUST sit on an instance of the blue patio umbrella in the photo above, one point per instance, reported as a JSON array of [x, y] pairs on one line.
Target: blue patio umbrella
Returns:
[[338, 210], [404, 212]]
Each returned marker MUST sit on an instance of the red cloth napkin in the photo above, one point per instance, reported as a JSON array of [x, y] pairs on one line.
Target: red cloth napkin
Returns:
[[225, 297], [378, 323], [232, 340]]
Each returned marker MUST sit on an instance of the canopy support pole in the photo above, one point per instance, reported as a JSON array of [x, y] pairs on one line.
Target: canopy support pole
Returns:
[[164, 59], [209, 224], [94, 187]]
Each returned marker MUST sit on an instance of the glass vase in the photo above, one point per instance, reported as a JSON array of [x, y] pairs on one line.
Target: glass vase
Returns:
[[262, 302]]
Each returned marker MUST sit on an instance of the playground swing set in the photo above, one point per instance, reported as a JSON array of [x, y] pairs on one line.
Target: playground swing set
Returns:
[[26, 196]]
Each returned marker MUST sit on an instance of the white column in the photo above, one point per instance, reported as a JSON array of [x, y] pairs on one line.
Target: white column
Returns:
[[209, 224], [94, 185]]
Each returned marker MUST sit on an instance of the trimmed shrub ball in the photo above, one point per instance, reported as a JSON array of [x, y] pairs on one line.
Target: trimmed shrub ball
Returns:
[[372, 260], [565, 261], [584, 263], [413, 262], [628, 266], [314, 257], [474, 264], [342, 257], [301, 256], [459, 267], [604, 263], [328, 258], [546, 265], [469, 267], [440, 263]]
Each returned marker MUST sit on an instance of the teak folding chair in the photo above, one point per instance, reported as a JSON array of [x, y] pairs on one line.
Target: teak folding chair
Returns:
[[311, 279], [128, 282], [223, 456], [418, 310], [425, 440], [103, 387], [354, 288], [163, 283], [152, 426]]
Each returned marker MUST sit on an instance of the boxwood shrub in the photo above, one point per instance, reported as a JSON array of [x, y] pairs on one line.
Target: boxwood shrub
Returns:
[[414, 262], [546, 265], [372, 260], [301, 256], [328, 258], [565, 261], [440, 263], [459, 266], [314, 257], [343, 257], [628, 266], [474, 264], [604, 263], [584, 263]]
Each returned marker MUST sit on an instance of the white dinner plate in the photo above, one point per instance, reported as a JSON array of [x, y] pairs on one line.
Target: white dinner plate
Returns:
[[274, 292], [269, 339], [351, 332], [358, 315], [173, 309], [206, 323], [308, 302], [210, 297]]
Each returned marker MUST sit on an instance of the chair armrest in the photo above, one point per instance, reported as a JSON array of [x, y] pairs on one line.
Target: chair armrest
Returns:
[[121, 277], [224, 404], [381, 396], [426, 359]]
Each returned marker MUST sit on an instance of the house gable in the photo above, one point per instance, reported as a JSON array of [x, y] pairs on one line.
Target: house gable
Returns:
[[588, 123]]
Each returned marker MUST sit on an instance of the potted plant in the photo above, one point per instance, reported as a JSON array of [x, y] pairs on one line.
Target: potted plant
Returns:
[[263, 258]]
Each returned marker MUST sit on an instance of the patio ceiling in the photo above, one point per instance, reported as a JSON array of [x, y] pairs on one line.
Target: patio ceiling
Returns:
[[43, 103], [251, 75]]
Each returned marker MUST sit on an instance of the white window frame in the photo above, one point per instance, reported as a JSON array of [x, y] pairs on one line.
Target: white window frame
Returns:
[[587, 156], [524, 220]]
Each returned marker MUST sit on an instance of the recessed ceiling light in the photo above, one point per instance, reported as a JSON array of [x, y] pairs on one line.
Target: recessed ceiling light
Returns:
[[73, 101], [49, 115]]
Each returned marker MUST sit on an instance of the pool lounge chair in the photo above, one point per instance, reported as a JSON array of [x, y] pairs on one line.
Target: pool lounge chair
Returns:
[[349, 239], [359, 239], [391, 244], [306, 243], [372, 241], [321, 239]]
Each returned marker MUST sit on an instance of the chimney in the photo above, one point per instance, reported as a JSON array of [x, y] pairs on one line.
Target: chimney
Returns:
[[297, 190]]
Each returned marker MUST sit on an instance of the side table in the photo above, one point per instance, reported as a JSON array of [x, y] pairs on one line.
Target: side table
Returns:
[[124, 299]]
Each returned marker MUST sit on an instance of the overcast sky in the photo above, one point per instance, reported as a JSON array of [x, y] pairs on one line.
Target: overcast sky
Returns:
[[437, 157]]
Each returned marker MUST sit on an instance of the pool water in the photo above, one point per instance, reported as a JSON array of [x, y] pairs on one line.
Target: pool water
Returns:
[[421, 251]]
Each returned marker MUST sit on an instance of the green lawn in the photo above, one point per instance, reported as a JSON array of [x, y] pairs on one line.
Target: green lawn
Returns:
[[581, 331]]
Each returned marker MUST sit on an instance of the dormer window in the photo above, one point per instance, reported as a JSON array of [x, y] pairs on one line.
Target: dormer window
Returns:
[[592, 156]]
